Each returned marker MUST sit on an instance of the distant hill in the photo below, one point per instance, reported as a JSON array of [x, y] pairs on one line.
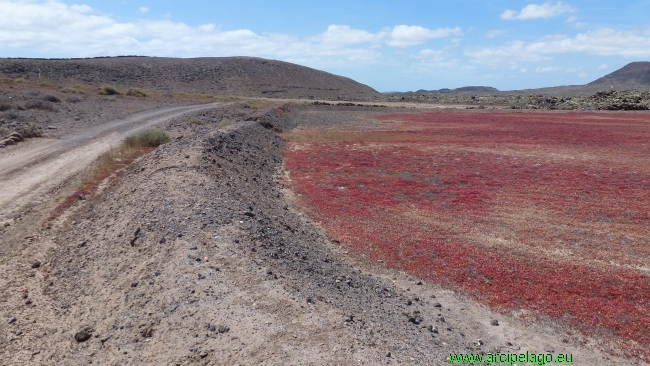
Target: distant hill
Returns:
[[464, 89], [635, 75], [246, 76], [477, 89], [632, 73]]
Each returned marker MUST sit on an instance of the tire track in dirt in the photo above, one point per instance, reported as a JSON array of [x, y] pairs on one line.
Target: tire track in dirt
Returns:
[[28, 171]]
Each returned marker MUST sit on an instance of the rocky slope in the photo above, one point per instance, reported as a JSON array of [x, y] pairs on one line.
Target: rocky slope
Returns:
[[246, 76], [634, 74]]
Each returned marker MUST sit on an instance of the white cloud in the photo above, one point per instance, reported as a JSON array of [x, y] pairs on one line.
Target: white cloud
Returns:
[[603, 67], [495, 33], [404, 36], [534, 11], [582, 75], [576, 24], [54, 29], [344, 34], [144, 9], [601, 42], [547, 69]]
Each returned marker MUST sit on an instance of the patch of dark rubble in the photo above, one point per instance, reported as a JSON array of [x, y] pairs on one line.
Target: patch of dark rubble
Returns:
[[613, 100], [147, 260]]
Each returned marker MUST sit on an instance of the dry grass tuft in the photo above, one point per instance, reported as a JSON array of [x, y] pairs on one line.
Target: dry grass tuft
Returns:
[[111, 164], [137, 92], [14, 81], [78, 89], [109, 90]]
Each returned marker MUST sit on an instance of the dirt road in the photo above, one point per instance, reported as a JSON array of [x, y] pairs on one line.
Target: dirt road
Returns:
[[30, 169]]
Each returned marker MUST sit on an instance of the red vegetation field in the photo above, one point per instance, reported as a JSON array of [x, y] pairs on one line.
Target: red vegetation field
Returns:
[[546, 212]]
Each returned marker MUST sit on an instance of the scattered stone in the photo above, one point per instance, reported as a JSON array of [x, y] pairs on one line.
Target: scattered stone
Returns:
[[36, 264], [437, 305], [12, 320], [223, 329], [136, 235], [147, 332], [84, 334], [203, 354], [494, 322]]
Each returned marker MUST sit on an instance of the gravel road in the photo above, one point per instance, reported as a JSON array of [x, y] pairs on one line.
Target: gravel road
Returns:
[[31, 169]]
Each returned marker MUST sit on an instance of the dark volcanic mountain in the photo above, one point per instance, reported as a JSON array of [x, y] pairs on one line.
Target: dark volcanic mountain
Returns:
[[630, 74], [246, 76]]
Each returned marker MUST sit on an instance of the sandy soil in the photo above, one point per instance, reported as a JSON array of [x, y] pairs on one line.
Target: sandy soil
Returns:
[[199, 255]]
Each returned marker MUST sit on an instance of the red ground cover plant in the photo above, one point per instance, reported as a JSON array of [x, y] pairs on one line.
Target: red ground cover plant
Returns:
[[548, 212]]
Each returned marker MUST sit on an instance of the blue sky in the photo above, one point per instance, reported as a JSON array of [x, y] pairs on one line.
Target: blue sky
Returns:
[[388, 45]]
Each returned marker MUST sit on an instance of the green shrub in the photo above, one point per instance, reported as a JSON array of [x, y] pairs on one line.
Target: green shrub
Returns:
[[52, 98], [40, 104], [195, 121], [11, 114], [225, 122], [148, 138], [30, 131]]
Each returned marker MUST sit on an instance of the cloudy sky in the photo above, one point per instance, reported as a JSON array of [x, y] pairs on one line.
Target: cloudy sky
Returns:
[[388, 45]]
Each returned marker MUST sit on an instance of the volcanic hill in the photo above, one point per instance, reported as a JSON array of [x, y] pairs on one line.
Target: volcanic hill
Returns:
[[634, 74], [245, 76]]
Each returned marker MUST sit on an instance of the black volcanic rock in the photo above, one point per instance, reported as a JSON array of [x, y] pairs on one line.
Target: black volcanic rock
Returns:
[[632, 73], [245, 76]]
